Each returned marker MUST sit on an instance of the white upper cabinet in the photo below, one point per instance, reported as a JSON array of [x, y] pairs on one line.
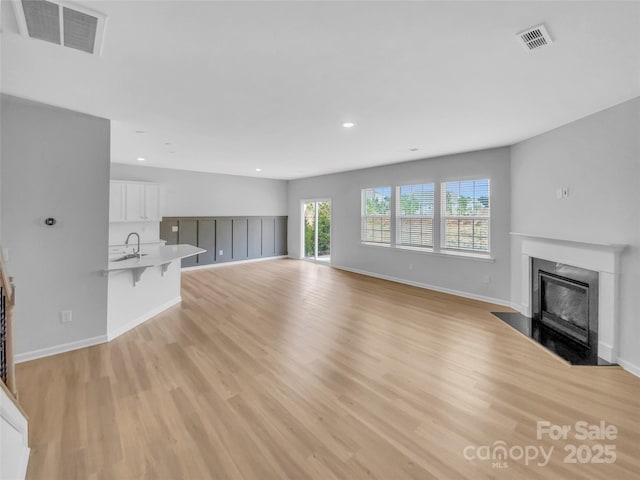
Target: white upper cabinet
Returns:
[[117, 200], [151, 210], [134, 202]]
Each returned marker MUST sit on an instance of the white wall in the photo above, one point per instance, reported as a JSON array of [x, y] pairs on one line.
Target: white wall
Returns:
[[186, 193], [445, 272], [598, 159], [55, 163]]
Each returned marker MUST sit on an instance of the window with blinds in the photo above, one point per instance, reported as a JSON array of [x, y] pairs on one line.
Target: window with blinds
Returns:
[[414, 215], [465, 215], [376, 215]]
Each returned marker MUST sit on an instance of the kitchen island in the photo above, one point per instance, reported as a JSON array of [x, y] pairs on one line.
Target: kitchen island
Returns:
[[142, 287]]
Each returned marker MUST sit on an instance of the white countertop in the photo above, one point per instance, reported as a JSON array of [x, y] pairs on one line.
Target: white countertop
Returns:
[[155, 255]]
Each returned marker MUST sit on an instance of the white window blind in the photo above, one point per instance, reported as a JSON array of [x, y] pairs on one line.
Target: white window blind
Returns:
[[465, 215], [376, 215], [414, 215]]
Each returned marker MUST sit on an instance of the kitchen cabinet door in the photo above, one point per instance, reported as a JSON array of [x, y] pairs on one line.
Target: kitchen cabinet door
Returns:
[[135, 202], [151, 203], [117, 202]]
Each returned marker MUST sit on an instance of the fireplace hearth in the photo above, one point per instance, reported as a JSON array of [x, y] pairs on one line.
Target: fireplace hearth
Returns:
[[564, 302]]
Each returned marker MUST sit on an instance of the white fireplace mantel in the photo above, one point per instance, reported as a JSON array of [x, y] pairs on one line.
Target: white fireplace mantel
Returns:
[[603, 258]]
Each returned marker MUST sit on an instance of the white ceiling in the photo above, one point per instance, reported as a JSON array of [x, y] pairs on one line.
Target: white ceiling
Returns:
[[235, 86]]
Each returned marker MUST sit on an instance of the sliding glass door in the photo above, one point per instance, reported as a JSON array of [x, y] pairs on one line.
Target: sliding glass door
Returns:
[[316, 224]]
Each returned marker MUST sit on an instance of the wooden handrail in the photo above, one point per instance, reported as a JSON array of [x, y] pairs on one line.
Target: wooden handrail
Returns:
[[8, 291]]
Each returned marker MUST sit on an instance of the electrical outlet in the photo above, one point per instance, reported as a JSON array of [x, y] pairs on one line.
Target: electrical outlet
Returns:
[[220, 252], [486, 279], [174, 228], [66, 316]]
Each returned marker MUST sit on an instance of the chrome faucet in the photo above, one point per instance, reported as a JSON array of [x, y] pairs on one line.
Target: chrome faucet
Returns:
[[126, 242]]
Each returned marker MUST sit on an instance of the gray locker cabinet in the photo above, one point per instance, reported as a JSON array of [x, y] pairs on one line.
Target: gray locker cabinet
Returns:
[[254, 240], [224, 239], [281, 235], [188, 233], [207, 240], [240, 239], [166, 230], [268, 237]]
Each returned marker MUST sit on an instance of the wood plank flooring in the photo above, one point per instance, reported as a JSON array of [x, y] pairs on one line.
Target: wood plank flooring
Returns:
[[291, 370]]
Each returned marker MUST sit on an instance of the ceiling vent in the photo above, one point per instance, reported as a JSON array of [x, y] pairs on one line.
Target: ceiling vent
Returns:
[[63, 23], [534, 38]]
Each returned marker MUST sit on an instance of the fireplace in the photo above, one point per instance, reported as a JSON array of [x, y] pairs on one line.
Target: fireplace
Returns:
[[565, 300], [601, 261]]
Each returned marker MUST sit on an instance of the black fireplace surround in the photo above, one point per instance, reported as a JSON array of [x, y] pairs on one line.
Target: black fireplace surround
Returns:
[[564, 309], [565, 299]]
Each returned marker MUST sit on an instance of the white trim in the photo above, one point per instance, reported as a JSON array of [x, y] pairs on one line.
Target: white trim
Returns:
[[134, 323], [602, 258], [13, 417], [448, 253], [458, 293], [629, 367], [65, 347], [226, 264]]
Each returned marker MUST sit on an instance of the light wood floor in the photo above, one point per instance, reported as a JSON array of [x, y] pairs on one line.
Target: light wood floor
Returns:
[[287, 369]]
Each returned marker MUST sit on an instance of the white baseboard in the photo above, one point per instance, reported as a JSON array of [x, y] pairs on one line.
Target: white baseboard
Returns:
[[472, 296], [65, 347], [605, 351], [227, 264], [629, 367], [134, 323]]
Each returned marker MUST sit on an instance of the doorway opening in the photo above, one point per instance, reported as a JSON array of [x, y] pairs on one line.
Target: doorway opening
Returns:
[[316, 230]]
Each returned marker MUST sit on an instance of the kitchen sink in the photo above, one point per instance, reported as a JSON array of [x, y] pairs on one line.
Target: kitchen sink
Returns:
[[128, 256]]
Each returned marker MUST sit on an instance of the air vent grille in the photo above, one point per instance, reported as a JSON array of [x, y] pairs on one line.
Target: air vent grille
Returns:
[[79, 30], [534, 38], [62, 23], [43, 20]]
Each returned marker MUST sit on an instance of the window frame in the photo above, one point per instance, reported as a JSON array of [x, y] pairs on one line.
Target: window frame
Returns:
[[444, 218], [364, 217], [399, 217]]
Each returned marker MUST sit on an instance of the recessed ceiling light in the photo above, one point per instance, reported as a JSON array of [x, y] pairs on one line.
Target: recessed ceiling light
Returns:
[[414, 149], [140, 159], [140, 131], [258, 169], [348, 124]]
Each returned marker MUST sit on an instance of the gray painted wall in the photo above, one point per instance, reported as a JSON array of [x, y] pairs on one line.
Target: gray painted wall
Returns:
[[190, 194], [445, 272], [598, 158], [55, 163]]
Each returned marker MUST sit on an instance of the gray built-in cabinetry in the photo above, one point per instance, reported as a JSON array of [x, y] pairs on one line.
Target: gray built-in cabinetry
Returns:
[[227, 239]]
